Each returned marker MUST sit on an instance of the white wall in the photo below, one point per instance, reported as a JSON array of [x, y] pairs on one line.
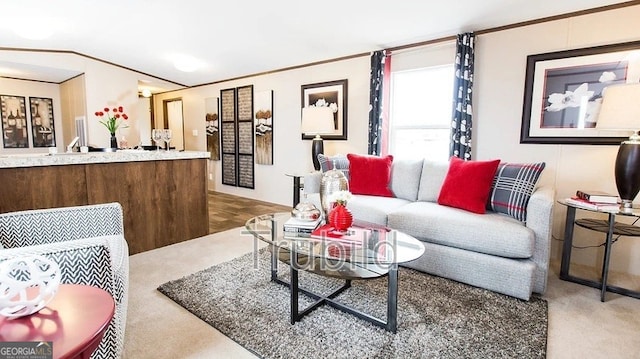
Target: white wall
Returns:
[[110, 86], [498, 97], [106, 86], [291, 153], [34, 89]]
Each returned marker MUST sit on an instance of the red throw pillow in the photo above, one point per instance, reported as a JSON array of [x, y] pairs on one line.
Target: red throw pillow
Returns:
[[370, 175], [467, 184]]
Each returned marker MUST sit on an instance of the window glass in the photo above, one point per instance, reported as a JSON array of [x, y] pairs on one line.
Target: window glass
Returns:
[[420, 112]]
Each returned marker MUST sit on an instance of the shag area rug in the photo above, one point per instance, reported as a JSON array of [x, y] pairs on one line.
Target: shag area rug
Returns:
[[437, 317]]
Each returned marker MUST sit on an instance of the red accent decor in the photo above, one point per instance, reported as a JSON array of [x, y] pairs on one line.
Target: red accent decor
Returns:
[[468, 184], [340, 218], [370, 175], [75, 321]]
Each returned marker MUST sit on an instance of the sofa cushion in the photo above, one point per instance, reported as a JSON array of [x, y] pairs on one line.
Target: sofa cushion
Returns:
[[512, 187], [374, 209], [467, 184], [490, 233], [340, 161], [405, 178], [433, 174], [370, 175]]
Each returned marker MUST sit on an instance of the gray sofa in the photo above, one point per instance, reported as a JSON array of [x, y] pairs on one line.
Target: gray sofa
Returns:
[[492, 250]]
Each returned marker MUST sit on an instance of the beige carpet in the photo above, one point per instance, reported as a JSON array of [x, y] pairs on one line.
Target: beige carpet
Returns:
[[580, 326]]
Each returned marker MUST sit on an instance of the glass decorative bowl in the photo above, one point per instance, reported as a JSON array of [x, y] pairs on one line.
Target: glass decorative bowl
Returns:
[[305, 211]]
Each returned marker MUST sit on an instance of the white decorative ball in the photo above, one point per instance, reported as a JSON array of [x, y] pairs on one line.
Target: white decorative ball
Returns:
[[27, 284]]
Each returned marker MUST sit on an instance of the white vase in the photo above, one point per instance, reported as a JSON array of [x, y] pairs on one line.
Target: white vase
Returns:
[[27, 284]]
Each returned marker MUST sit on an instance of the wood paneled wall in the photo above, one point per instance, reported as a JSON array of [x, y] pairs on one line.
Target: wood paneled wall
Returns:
[[164, 202]]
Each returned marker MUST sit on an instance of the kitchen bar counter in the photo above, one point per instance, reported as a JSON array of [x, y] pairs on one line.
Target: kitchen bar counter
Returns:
[[163, 194], [45, 159]]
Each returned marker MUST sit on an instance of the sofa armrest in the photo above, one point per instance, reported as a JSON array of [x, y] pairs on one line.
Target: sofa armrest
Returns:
[[540, 221], [312, 182], [33, 227]]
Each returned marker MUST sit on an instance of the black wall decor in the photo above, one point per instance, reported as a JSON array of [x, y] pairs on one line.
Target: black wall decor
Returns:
[[237, 136]]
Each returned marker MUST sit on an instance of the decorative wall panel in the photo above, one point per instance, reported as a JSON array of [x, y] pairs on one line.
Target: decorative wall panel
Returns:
[[237, 136], [229, 151], [263, 104]]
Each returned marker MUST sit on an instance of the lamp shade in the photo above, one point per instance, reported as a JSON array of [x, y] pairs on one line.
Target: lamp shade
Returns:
[[317, 120], [620, 108], [621, 111]]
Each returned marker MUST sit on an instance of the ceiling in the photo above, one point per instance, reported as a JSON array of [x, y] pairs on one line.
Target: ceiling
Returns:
[[243, 37]]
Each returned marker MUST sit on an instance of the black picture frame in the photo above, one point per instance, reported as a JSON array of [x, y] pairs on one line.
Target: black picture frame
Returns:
[[228, 146], [550, 116], [42, 122], [15, 133], [331, 94]]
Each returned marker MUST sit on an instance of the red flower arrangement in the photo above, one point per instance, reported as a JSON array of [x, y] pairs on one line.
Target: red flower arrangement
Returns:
[[111, 122]]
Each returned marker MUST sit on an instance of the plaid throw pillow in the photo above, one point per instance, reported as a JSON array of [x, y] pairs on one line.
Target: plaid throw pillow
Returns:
[[512, 187], [341, 163]]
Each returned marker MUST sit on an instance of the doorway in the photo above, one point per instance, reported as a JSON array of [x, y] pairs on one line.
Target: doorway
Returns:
[[173, 120]]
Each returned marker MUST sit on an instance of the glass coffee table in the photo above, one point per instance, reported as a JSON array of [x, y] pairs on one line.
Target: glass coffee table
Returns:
[[376, 254]]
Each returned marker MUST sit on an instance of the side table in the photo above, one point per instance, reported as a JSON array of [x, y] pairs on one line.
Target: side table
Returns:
[[75, 321], [297, 186], [609, 227]]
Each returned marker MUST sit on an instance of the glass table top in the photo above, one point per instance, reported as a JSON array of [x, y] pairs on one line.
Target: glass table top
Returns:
[[363, 245]]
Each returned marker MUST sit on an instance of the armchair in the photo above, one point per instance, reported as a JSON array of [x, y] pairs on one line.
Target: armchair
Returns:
[[88, 244]]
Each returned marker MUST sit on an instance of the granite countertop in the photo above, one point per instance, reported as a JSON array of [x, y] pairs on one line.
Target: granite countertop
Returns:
[[75, 158]]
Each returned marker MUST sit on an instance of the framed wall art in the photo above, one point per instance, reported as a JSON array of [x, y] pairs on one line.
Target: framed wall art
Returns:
[[228, 148], [332, 94], [263, 103], [14, 122], [42, 124], [212, 126], [236, 119], [563, 93], [245, 136]]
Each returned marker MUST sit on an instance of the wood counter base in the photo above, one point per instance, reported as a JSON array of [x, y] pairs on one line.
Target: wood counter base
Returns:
[[164, 202]]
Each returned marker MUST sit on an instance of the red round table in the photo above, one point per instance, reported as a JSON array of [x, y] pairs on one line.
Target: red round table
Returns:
[[75, 321]]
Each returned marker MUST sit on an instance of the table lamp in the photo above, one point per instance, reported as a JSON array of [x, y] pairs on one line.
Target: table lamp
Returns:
[[317, 121], [621, 111]]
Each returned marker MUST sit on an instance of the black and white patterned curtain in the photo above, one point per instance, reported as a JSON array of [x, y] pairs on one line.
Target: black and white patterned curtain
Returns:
[[462, 94], [375, 101]]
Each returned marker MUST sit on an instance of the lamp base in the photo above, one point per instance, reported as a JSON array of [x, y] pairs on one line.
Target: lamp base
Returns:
[[317, 147], [626, 206], [627, 171]]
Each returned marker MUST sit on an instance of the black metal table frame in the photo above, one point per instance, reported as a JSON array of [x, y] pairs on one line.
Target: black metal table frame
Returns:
[[297, 186], [390, 324], [566, 259]]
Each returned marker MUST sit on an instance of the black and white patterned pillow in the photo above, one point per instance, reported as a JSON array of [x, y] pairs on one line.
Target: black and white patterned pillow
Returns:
[[341, 162], [512, 187]]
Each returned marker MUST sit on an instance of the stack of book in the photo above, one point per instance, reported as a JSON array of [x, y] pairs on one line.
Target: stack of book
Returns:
[[354, 235], [296, 227], [596, 200]]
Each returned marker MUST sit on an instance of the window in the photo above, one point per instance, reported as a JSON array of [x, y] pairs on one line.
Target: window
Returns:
[[420, 112]]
